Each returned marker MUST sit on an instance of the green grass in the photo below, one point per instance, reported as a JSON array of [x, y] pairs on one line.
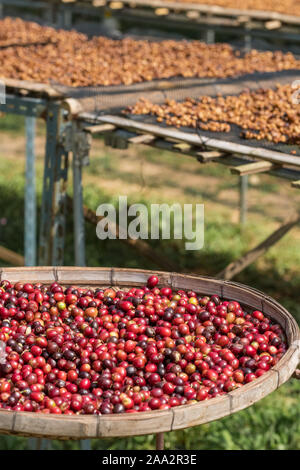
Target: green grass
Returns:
[[12, 123], [272, 423]]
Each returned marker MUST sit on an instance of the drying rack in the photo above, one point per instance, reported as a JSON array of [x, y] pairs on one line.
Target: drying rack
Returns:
[[155, 422], [186, 18]]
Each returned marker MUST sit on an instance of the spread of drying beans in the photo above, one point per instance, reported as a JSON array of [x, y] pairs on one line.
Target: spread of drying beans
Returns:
[[288, 7], [15, 31], [265, 114], [101, 351], [72, 60]]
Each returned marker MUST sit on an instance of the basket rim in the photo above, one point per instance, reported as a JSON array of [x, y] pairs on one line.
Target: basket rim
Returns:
[[131, 424]]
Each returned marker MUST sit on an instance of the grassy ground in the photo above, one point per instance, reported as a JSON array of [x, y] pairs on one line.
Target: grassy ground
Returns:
[[150, 176]]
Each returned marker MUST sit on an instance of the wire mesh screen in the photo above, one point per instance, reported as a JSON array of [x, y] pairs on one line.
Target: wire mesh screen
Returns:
[[97, 101], [107, 99], [152, 69]]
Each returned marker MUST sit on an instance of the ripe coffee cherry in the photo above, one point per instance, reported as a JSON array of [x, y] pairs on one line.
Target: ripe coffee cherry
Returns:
[[152, 281], [79, 350]]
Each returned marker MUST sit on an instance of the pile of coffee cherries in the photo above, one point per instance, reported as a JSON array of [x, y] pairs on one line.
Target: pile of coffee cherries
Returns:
[[99, 351]]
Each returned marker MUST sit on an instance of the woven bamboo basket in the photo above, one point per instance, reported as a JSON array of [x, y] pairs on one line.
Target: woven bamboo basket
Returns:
[[86, 427]]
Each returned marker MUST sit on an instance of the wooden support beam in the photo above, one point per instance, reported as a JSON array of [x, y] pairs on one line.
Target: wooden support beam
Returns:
[[11, 257], [192, 14], [201, 140], [100, 128], [273, 24], [141, 139], [140, 245], [38, 88], [205, 157], [72, 106], [161, 11], [243, 19], [278, 170], [218, 11], [227, 159], [252, 168], [296, 184], [182, 146], [99, 3], [242, 263], [224, 158], [168, 142]]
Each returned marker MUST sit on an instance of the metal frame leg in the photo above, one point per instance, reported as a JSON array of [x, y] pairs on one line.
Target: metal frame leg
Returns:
[[65, 17], [53, 211], [243, 199], [248, 42], [85, 444], [79, 232], [78, 218], [30, 196], [81, 148], [210, 36], [36, 443]]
